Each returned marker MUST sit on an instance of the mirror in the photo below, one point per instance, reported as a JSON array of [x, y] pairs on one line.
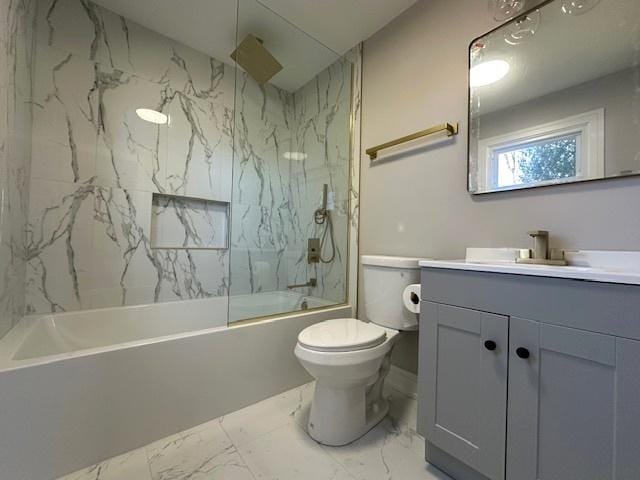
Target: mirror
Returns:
[[554, 96]]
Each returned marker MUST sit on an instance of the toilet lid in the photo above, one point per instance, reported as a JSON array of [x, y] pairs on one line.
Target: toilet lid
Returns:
[[342, 335]]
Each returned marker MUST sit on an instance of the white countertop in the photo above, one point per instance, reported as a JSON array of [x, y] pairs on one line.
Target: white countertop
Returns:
[[588, 265]]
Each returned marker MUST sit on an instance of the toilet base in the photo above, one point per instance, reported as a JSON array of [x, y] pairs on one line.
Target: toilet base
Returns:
[[340, 414], [348, 417]]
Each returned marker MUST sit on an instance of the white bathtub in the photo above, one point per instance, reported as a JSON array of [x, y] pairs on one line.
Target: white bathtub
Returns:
[[38, 336], [77, 388], [271, 303]]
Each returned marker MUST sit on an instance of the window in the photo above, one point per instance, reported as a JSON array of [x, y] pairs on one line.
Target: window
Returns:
[[566, 150]]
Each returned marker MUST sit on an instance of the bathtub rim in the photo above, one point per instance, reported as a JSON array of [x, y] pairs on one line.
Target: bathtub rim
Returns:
[[20, 332]]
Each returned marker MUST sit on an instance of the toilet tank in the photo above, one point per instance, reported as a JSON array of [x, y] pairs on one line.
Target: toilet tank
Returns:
[[384, 280]]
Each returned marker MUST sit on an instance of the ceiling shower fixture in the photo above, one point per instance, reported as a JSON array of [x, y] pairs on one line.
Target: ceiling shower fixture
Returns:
[[256, 60]]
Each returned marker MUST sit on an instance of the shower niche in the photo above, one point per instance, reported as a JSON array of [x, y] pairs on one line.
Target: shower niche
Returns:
[[179, 222]]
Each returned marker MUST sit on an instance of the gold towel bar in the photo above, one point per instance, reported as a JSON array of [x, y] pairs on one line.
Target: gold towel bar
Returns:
[[450, 128]]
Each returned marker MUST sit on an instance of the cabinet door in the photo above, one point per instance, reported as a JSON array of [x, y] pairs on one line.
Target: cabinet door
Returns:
[[464, 384], [574, 404]]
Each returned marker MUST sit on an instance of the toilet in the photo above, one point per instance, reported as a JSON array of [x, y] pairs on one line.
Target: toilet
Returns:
[[350, 358]]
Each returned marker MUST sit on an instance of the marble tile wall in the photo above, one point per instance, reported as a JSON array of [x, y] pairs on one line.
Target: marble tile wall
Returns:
[[16, 50], [92, 223], [322, 132], [96, 164], [262, 213], [274, 197], [184, 222]]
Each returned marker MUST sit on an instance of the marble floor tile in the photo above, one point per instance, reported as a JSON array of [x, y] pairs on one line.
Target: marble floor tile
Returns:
[[296, 403], [268, 440], [402, 421], [379, 455], [288, 453], [131, 465], [251, 422], [203, 452]]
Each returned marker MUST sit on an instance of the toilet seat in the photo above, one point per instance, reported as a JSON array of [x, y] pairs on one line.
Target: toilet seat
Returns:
[[342, 335]]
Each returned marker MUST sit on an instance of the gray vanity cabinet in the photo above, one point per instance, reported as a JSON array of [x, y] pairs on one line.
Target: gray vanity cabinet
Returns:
[[521, 394], [466, 393], [571, 402]]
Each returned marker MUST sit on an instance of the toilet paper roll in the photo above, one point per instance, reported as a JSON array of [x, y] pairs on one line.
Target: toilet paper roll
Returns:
[[411, 298]]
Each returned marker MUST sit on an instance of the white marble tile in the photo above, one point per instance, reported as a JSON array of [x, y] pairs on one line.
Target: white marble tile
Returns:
[[250, 423], [126, 262], [296, 403], [131, 152], [204, 452], [94, 68], [16, 35], [130, 466], [200, 142], [260, 246], [65, 117], [96, 34], [288, 453], [263, 133], [58, 245], [180, 222], [267, 441], [187, 274], [402, 419], [121, 247], [379, 455]]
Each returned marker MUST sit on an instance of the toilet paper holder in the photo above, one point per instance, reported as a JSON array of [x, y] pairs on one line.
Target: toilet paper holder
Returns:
[[415, 299]]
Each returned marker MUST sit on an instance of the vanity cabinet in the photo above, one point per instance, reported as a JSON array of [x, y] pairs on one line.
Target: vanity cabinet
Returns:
[[465, 353], [520, 393], [570, 404]]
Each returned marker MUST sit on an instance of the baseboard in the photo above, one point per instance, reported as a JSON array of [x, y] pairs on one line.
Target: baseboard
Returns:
[[403, 381]]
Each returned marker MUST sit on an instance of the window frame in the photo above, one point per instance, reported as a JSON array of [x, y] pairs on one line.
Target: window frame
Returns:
[[588, 127]]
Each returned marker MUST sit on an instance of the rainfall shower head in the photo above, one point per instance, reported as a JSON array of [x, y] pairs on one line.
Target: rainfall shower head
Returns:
[[256, 59]]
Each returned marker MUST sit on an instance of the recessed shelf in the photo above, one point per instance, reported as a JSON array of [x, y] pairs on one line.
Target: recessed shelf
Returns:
[[179, 222]]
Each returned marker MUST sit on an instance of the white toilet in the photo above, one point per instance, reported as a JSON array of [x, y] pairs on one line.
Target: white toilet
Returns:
[[350, 358]]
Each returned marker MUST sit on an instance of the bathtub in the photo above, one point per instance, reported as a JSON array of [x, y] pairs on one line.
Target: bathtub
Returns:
[[271, 303], [40, 336], [79, 387]]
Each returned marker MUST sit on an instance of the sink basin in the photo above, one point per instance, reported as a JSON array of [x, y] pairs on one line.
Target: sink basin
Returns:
[[590, 265]]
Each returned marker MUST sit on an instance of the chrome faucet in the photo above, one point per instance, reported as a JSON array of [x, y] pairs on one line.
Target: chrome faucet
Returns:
[[540, 254]]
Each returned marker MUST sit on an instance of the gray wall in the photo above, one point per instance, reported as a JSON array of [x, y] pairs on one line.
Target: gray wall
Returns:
[[611, 92], [416, 203]]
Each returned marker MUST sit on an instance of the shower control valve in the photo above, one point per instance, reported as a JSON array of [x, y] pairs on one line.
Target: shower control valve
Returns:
[[313, 250]]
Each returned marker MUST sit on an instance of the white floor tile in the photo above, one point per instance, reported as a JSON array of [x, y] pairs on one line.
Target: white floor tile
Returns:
[[296, 403], [380, 456], [268, 440], [253, 421], [131, 465], [288, 453], [402, 419], [204, 452]]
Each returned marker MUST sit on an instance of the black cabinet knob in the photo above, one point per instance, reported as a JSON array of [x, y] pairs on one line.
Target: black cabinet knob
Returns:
[[523, 352], [490, 345]]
